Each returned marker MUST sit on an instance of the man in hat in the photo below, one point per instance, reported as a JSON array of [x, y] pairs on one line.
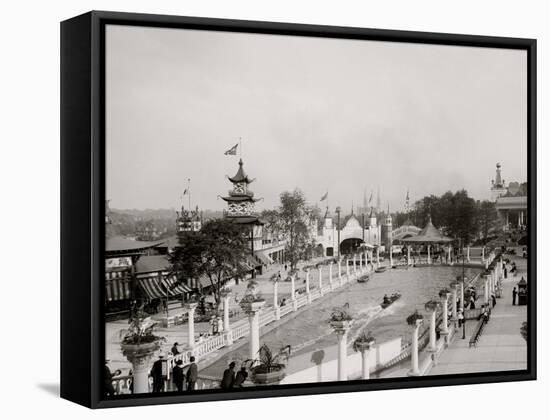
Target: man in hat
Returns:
[[174, 349], [108, 380], [514, 295], [178, 375], [192, 374], [228, 376], [157, 374]]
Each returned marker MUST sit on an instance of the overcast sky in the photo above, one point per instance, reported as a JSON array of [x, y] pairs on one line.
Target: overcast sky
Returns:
[[319, 114]]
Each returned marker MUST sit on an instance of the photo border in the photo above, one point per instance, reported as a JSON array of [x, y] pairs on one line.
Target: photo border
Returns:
[[88, 31]]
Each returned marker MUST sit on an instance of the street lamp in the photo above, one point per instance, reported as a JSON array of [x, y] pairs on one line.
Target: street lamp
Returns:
[[338, 210], [463, 285]]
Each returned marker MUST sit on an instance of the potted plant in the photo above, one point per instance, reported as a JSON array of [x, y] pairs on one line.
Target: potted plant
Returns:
[[139, 339], [269, 368], [364, 342], [431, 305], [340, 317], [443, 293], [252, 300], [414, 319]]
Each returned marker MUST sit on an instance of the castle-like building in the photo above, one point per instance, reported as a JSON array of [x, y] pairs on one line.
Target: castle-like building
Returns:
[[510, 201]]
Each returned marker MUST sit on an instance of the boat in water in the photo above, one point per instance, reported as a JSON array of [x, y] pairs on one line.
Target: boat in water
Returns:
[[380, 269], [389, 300], [363, 279]]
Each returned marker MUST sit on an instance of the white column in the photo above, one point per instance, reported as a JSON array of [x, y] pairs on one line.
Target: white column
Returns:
[[429, 257], [454, 296], [293, 287], [254, 320], [377, 257], [482, 254], [391, 256], [445, 303], [276, 307], [486, 291], [365, 363], [307, 287], [342, 335], [191, 326], [432, 346], [462, 297], [140, 368], [366, 260], [330, 275], [409, 262], [449, 258], [226, 312], [414, 351], [321, 280], [468, 254]]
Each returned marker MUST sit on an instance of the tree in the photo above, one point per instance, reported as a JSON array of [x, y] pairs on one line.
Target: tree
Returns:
[[488, 218], [295, 217], [218, 251]]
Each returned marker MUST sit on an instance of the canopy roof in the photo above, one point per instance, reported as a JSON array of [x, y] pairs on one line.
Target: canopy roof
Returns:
[[121, 246], [240, 176], [430, 234]]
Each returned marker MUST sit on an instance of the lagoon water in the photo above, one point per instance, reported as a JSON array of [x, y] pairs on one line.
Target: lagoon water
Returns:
[[310, 328]]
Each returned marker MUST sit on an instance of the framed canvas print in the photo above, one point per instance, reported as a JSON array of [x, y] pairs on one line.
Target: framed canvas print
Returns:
[[254, 209]]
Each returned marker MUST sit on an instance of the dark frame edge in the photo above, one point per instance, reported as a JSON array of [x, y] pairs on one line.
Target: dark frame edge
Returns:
[[86, 113], [76, 200]]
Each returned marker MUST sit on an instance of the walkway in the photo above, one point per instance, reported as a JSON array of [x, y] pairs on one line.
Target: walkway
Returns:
[[501, 346]]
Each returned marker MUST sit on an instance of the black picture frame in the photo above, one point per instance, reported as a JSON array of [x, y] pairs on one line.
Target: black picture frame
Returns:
[[83, 198]]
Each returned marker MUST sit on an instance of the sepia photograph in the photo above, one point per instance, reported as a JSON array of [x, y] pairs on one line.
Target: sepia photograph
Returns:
[[284, 210]]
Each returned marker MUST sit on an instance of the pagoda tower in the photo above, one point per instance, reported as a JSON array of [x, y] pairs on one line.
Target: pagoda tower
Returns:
[[240, 201], [498, 185], [188, 221]]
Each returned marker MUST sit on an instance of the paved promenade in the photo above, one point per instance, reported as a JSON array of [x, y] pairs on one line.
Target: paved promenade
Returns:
[[501, 346]]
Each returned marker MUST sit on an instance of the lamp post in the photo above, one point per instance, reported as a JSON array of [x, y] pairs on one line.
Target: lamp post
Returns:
[[338, 210], [463, 306]]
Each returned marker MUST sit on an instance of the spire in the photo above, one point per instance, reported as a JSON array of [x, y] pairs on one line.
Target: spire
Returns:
[[498, 179], [378, 199], [364, 201]]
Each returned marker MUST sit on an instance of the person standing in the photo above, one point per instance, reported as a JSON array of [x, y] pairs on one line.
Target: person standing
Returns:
[[228, 377], [108, 388], [494, 299], [157, 374], [240, 378], [178, 375], [514, 294], [460, 318], [192, 374], [174, 349], [505, 272], [472, 303]]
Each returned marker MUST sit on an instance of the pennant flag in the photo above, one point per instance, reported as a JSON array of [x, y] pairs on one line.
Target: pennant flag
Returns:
[[370, 198], [185, 191], [232, 151], [324, 197]]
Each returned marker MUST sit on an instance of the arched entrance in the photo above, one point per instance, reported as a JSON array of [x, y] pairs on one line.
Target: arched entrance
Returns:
[[350, 245], [330, 251]]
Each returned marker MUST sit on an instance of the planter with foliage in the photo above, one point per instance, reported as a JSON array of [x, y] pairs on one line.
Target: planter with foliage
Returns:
[[340, 318], [252, 300], [444, 293], [364, 342], [269, 368], [431, 305], [139, 340], [414, 319]]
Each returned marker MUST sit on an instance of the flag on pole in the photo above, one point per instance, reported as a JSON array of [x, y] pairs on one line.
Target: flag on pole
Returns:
[[185, 191], [324, 197], [232, 151], [370, 198]]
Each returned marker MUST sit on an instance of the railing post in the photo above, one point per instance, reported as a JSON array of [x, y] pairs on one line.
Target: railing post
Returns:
[[377, 257], [191, 306], [276, 307], [468, 254], [414, 350], [409, 262], [486, 291], [330, 275], [429, 256], [341, 329], [321, 280], [307, 286], [432, 346], [454, 310]]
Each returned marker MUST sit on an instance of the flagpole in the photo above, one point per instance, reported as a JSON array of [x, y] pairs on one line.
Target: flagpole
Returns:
[[189, 192], [240, 148]]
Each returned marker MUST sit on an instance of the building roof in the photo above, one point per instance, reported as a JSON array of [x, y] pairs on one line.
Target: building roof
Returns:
[[430, 234], [241, 176], [149, 263], [119, 245], [239, 198]]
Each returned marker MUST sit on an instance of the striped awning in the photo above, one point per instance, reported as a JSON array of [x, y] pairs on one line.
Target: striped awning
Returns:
[[117, 285], [161, 287]]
